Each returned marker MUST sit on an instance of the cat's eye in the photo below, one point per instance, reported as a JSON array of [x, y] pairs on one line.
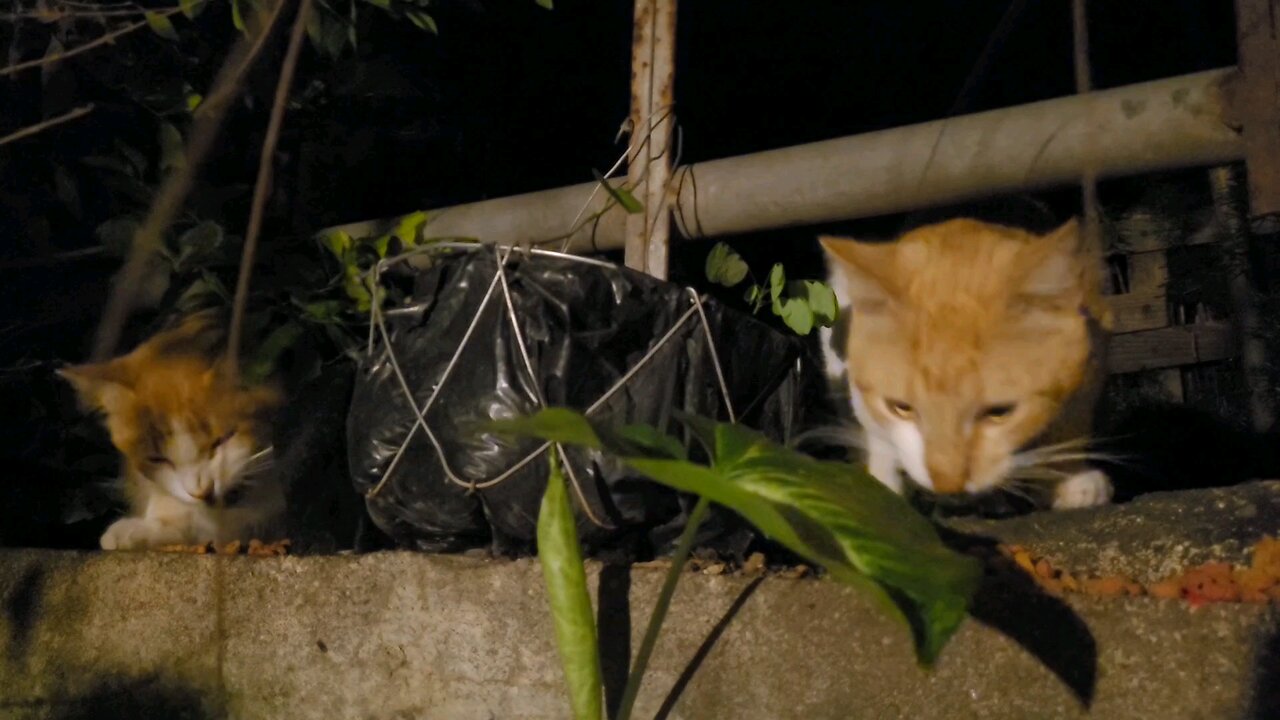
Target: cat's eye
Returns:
[[996, 413], [221, 441], [233, 496], [900, 409], [159, 460]]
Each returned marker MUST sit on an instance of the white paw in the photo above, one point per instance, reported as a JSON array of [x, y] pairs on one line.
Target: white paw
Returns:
[[137, 534], [1086, 489]]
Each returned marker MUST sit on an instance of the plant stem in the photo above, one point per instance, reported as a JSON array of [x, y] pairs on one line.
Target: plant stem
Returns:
[[660, 609]]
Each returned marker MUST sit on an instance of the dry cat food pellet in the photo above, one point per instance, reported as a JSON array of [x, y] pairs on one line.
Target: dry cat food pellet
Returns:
[[1210, 582], [255, 548]]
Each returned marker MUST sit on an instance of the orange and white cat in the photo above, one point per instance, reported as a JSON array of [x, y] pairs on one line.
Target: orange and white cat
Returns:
[[974, 357], [195, 445]]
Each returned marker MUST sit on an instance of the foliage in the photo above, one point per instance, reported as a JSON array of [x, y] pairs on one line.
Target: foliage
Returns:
[[801, 304], [833, 514], [561, 559], [146, 88]]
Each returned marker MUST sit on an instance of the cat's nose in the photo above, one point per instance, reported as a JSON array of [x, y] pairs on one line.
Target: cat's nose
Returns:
[[204, 495], [946, 481]]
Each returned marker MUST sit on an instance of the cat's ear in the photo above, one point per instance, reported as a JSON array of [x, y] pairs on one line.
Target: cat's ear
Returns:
[[1058, 267], [101, 387], [865, 270]]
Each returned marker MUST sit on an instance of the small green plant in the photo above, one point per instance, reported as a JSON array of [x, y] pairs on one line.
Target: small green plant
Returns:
[[801, 304], [833, 514]]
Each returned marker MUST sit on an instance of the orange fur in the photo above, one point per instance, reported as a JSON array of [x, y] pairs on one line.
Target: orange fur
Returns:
[[185, 432], [976, 338]]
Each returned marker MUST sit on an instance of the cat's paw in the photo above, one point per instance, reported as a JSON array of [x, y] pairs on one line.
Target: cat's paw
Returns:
[[137, 534], [1086, 489]]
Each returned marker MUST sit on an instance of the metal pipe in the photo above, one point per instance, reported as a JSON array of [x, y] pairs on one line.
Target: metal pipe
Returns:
[[1160, 125]]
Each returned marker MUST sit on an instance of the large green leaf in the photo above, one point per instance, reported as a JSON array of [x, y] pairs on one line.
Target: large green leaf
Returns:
[[833, 514], [561, 559]]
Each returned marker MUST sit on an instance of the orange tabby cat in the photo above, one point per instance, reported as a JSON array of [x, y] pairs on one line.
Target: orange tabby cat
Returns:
[[974, 357], [194, 444]]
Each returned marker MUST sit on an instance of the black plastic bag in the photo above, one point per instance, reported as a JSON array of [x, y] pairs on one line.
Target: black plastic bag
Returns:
[[584, 325]]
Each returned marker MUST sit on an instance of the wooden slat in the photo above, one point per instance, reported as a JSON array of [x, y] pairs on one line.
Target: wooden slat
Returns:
[[1170, 347], [1141, 310], [1148, 272]]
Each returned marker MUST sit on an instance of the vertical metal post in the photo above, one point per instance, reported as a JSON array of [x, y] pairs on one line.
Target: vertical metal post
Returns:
[[1258, 46], [653, 66]]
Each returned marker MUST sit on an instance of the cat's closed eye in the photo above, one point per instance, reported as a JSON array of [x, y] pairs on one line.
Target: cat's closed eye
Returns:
[[160, 460], [900, 409], [221, 440], [997, 413]]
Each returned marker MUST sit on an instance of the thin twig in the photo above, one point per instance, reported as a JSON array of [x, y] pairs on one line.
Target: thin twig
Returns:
[[45, 125], [173, 193], [262, 188], [56, 259], [96, 42]]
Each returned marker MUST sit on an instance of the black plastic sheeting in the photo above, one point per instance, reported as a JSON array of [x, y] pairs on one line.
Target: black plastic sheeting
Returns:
[[584, 325]]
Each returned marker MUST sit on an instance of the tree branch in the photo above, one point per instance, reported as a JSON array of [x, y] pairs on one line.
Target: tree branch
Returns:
[[45, 125], [174, 190], [96, 42], [262, 188]]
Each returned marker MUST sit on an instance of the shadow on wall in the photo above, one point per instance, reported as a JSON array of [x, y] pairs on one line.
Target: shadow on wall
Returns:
[[1265, 703], [111, 696], [123, 699]]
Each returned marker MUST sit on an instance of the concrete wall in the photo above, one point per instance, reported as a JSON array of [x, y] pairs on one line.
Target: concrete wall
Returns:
[[401, 635]]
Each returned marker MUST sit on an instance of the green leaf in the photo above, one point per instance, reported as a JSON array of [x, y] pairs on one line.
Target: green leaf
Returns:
[[200, 246], [777, 280], [724, 266], [315, 30], [205, 292], [339, 243], [423, 21], [409, 227], [383, 4], [322, 311], [544, 4], [136, 159], [833, 514], [263, 361], [619, 194], [237, 17], [191, 8], [161, 25], [333, 33], [172, 154], [552, 424], [116, 235], [353, 283], [822, 301], [561, 558], [796, 314]]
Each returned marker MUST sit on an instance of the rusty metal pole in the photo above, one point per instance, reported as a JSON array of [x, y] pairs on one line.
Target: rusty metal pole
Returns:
[[1258, 47], [653, 68]]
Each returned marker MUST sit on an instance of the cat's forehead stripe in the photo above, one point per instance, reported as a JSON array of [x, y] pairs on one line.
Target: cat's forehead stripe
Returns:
[[182, 443]]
